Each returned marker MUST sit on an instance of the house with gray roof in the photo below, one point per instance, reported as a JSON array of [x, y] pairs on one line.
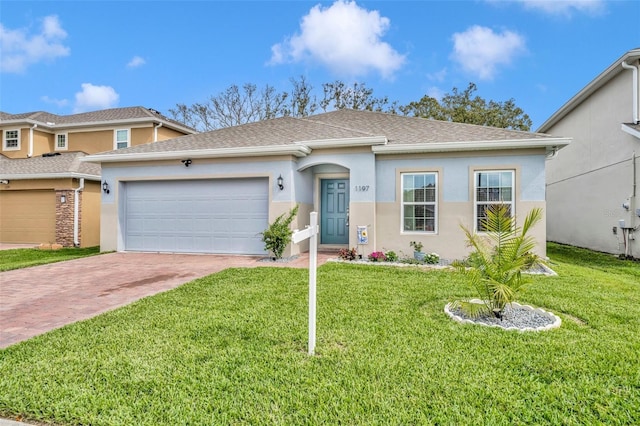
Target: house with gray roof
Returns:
[[47, 195], [378, 182], [594, 184]]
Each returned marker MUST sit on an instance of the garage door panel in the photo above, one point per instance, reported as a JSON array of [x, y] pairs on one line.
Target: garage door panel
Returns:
[[200, 216], [28, 216]]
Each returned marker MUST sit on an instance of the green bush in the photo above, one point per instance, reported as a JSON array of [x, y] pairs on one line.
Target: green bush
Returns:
[[499, 258], [348, 254], [392, 256], [278, 234]]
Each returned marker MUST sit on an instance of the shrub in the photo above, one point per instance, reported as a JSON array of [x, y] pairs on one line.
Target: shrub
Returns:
[[377, 256], [432, 258], [391, 256], [494, 268], [278, 235], [348, 254]]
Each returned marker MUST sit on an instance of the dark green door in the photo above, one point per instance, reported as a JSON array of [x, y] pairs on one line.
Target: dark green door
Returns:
[[334, 211]]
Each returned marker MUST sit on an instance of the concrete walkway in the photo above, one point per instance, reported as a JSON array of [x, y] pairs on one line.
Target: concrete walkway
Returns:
[[41, 298]]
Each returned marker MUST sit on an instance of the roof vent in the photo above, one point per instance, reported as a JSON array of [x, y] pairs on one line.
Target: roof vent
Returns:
[[50, 154]]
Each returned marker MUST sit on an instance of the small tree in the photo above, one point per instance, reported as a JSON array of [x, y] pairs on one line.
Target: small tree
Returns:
[[278, 235], [500, 256]]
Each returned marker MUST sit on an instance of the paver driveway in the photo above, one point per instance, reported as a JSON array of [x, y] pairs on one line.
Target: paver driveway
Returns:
[[41, 298]]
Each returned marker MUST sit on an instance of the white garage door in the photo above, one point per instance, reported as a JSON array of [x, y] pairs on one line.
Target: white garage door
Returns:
[[197, 216]]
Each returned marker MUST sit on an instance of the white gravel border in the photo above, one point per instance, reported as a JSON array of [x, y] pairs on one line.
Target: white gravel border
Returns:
[[555, 324]]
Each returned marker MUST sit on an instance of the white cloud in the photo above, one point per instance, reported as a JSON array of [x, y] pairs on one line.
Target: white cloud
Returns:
[[95, 97], [481, 51], [136, 62], [565, 7], [54, 101], [20, 48], [344, 37], [435, 92], [438, 76]]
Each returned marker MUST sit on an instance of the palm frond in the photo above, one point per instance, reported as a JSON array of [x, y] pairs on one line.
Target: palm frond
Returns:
[[500, 255]]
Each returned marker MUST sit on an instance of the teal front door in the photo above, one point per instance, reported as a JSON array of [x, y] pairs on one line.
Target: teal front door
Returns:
[[334, 211]]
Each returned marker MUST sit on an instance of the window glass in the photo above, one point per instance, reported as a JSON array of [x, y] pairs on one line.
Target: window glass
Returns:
[[11, 139], [492, 187], [61, 141], [122, 139], [419, 202]]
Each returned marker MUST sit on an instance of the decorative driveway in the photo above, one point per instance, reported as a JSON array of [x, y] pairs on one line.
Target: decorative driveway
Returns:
[[41, 298]]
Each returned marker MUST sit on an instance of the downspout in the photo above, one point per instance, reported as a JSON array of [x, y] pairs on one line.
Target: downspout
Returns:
[[636, 118], [30, 154], [155, 132], [76, 213]]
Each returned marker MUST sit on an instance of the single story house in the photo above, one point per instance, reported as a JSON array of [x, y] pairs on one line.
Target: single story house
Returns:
[[46, 194], [399, 178], [593, 185]]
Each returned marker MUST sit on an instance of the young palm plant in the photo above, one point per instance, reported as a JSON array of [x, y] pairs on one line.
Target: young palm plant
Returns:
[[499, 257]]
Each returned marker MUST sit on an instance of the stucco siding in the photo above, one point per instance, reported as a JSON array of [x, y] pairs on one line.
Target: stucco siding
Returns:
[[167, 133], [588, 181], [42, 143], [141, 135], [90, 218], [454, 179], [449, 242], [91, 141]]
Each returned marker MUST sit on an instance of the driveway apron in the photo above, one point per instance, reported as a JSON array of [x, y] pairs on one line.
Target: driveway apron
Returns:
[[41, 298]]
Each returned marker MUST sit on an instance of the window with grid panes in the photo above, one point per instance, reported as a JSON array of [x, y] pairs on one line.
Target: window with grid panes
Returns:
[[419, 202], [61, 141], [492, 187], [12, 139], [122, 138]]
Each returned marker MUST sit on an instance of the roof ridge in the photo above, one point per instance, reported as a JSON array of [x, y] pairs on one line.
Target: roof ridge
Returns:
[[308, 118]]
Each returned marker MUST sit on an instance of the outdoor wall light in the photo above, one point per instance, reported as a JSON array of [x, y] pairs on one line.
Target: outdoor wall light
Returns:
[[105, 187], [63, 199], [280, 183], [4, 182], [187, 162]]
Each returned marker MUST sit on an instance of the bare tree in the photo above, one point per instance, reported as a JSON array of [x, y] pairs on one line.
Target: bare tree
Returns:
[[239, 105], [302, 102], [338, 95]]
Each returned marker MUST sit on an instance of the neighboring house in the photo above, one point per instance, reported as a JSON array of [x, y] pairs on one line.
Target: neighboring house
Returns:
[[593, 185], [402, 178], [46, 194]]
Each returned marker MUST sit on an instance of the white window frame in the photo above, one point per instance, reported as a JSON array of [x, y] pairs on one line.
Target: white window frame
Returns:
[[115, 138], [57, 147], [477, 203], [433, 203], [5, 140]]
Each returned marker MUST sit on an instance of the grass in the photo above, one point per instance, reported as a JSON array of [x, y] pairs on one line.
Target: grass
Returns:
[[231, 349], [23, 258]]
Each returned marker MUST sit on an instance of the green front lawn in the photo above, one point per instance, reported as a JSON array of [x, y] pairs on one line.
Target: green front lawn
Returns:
[[231, 349], [23, 258]]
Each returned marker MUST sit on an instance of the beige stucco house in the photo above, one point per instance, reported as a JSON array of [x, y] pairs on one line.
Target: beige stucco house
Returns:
[[593, 185], [399, 178], [47, 195]]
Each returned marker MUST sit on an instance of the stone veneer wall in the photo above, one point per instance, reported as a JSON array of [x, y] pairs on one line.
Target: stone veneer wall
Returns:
[[64, 217]]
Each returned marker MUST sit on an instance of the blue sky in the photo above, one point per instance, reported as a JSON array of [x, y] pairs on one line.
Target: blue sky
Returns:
[[74, 56]]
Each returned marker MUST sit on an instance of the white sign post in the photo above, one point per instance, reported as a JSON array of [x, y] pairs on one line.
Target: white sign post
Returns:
[[311, 232]]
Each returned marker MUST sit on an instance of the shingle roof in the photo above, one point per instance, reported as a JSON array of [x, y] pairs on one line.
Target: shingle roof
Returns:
[[105, 115], [411, 130], [342, 124], [65, 164]]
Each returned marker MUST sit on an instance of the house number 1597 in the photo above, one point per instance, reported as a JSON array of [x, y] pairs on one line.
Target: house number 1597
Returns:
[[362, 188]]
